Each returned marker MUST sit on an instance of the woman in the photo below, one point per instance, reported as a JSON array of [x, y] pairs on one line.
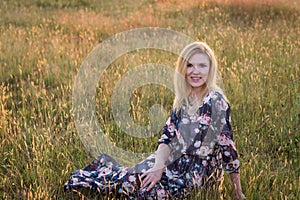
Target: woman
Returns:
[[196, 141]]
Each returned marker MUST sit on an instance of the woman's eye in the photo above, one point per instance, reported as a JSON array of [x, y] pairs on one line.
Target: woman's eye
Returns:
[[189, 65]]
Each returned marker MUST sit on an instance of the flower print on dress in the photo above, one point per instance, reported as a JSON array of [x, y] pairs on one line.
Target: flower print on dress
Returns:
[[233, 166], [180, 138], [128, 186], [122, 173], [164, 136], [161, 194], [84, 184], [223, 140], [213, 162], [221, 105], [184, 147], [185, 121], [204, 163], [206, 99], [198, 179], [104, 171], [150, 163], [205, 119], [187, 176], [227, 153], [195, 118], [109, 164], [197, 144], [171, 127], [172, 175], [203, 151], [196, 130], [236, 164], [84, 173], [131, 178]]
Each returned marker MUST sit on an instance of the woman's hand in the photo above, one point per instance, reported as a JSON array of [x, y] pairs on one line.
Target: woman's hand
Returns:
[[151, 177], [239, 195]]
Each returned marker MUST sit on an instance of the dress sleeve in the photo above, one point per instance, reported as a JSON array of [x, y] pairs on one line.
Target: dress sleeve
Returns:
[[169, 129], [226, 143]]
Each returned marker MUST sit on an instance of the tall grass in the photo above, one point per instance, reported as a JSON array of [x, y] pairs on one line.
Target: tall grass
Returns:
[[43, 43]]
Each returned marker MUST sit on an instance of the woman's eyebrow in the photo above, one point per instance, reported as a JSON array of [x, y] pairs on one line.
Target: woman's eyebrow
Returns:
[[200, 63]]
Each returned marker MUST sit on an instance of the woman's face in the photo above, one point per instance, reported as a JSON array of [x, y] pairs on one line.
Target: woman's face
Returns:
[[197, 70]]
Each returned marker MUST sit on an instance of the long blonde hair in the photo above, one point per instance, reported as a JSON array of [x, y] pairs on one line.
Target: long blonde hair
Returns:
[[182, 88]]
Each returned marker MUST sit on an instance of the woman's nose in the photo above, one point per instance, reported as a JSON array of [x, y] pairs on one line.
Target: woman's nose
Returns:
[[197, 69]]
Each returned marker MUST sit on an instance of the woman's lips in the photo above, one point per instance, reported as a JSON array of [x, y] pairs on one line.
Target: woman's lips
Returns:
[[196, 78]]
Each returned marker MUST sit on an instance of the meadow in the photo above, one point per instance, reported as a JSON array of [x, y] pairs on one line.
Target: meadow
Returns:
[[43, 44]]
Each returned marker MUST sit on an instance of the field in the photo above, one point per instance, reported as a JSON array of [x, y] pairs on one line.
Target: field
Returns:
[[43, 44]]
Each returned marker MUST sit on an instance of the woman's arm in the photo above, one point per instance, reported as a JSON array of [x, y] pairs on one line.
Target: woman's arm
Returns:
[[226, 143], [162, 154], [235, 178], [153, 175]]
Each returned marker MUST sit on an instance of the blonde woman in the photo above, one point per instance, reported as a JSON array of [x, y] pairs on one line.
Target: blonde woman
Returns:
[[196, 142]]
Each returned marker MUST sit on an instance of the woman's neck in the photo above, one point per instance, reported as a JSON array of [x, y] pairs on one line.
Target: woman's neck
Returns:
[[195, 95]]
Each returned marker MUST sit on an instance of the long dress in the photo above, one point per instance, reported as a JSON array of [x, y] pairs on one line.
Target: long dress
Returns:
[[201, 146]]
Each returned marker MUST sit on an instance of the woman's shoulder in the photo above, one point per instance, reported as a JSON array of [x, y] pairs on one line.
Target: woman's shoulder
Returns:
[[215, 96]]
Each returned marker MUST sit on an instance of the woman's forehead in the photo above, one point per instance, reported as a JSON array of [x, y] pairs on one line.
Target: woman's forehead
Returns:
[[199, 57]]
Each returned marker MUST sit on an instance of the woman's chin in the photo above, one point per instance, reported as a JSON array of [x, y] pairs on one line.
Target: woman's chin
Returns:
[[197, 86]]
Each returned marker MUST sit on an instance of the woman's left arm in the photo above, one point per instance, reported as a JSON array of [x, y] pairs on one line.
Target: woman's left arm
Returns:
[[235, 178], [228, 149]]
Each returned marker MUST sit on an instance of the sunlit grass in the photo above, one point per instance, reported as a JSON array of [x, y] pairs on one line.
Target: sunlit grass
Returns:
[[43, 43]]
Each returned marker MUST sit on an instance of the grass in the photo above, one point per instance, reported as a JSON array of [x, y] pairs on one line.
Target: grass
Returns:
[[43, 43]]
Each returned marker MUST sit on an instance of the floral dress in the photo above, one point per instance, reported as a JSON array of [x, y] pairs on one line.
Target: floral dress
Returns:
[[201, 145]]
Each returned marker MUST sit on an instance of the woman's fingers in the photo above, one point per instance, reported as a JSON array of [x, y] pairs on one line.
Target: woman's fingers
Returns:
[[149, 181], [143, 175], [150, 178], [145, 182], [152, 184]]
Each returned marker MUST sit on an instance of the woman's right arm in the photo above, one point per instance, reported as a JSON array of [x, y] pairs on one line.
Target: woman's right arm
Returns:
[[154, 174], [162, 154], [168, 133]]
